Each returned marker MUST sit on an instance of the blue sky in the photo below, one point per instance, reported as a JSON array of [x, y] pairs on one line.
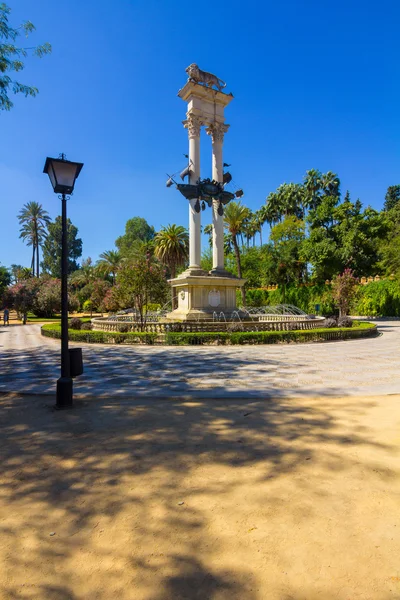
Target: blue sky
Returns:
[[316, 85]]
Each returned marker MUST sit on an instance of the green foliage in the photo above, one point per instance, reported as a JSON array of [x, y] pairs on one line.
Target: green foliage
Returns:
[[53, 330], [344, 289], [136, 230], [139, 283], [171, 247], [109, 263], [52, 248], [235, 338], [253, 266], [5, 279], [390, 247], [34, 221], [206, 259], [42, 296], [378, 299], [305, 297], [11, 57], [392, 197], [270, 337], [75, 323]]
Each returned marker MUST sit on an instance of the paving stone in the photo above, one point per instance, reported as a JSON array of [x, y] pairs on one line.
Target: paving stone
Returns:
[[31, 363]]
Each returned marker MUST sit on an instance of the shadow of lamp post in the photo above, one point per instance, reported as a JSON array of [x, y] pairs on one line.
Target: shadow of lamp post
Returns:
[[63, 174]]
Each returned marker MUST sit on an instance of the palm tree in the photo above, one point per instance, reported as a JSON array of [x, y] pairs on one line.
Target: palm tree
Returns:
[[34, 220], [261, 218], [172, 247], [330, 182], [83, 276], [208, 230], [110, 262], [235, 215], [312, 185]]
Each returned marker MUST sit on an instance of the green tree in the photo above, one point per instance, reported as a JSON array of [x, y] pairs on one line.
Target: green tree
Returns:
[[52, 248], [5, 279], [390, 246], [235, 215], [109, 263], [136, 230], [140, 283], [344, 289], [34, 220], [172, 247], [392, 197], [287, 238], [18, 273], [12, 55]]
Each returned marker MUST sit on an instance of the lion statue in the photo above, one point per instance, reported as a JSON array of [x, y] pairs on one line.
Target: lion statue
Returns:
[[199, 76]]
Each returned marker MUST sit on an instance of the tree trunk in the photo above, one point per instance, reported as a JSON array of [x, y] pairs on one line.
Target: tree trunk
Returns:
[[260, 237], [33, 260], [174, 301], [239, 267], [37, 260]]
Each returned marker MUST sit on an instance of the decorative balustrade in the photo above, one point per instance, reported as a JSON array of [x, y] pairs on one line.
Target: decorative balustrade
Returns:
[[276, 323]]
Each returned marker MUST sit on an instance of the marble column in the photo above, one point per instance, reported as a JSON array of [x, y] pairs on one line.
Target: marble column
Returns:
[[193, 124], [217, 131]]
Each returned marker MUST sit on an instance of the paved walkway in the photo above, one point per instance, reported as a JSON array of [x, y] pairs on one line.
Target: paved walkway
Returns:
[[30, 363]]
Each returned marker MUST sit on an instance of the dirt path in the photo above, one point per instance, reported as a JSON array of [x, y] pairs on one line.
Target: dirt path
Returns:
[[209, 500]]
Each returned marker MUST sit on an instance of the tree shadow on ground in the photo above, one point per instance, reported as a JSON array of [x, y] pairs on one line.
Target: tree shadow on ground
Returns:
[[156, 372], [121, 484]]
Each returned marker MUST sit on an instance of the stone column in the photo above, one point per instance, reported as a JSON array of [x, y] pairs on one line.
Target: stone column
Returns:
[[193, 125], [217, 131]]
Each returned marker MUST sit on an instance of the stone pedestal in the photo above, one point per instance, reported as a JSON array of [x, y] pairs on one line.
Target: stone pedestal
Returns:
[[199, 293], [200, 296]]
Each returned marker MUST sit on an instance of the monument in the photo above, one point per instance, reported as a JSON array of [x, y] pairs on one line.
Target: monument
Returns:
[[202, 293]]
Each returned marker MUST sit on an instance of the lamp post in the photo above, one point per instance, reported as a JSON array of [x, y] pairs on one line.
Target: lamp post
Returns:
[[63, 174]]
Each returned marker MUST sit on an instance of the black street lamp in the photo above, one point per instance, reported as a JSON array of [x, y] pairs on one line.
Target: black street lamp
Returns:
[[63, 174]]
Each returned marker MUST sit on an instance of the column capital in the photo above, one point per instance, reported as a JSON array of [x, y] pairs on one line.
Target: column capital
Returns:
[[217, 131], [193, 124]]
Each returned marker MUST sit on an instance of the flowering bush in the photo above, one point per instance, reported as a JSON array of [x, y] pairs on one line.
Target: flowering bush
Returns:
[[42, 296], [344, 289]]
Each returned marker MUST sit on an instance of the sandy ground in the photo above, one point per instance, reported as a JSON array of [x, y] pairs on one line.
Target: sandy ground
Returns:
[[226, 499]]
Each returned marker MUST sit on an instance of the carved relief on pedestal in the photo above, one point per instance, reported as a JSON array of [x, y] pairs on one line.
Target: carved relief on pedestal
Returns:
[[217, 131], [214, 298], [193, 124]]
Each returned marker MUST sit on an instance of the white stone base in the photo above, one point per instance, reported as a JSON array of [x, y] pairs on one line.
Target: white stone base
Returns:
[[199, 296]]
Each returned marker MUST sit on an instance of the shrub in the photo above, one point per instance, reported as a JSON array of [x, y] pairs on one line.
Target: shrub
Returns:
[[75, 323], [86, 326], [330, 322], [359, 330], [124, 328], [345, 322], [102, 337], [378, 299]]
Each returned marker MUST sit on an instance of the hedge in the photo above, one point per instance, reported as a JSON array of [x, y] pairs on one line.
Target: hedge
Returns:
[[359, 330], [378, 298], [99, 337]]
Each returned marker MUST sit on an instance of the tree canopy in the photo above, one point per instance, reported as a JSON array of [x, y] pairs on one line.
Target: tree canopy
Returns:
[[12, 55], [136, 230], [52, 248]]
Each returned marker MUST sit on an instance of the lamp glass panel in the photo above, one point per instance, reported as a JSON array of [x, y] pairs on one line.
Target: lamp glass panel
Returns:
[[51, 175], [65, 173]]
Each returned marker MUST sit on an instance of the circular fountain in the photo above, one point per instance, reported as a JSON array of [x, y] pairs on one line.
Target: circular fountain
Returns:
[[265, 318]]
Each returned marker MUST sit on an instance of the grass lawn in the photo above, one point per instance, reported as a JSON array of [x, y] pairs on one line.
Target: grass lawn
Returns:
[[57, 318]]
